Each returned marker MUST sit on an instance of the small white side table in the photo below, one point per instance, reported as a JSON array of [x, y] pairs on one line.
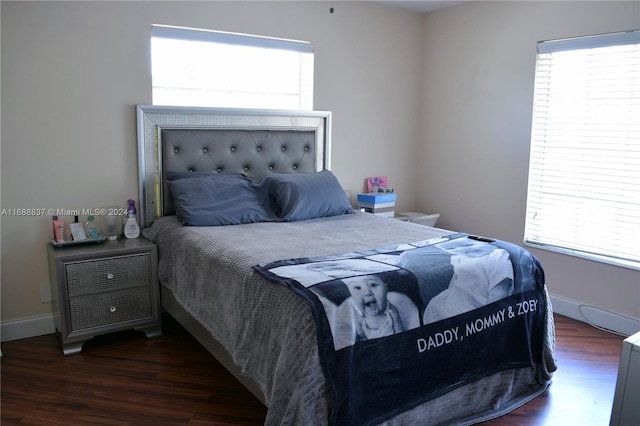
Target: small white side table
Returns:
[[420, 218]]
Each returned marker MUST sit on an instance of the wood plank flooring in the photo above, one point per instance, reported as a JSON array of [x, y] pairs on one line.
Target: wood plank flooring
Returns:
[[126, 379]]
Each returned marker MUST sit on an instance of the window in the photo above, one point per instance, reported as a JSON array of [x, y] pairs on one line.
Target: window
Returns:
[[584, 174], [208, 68]]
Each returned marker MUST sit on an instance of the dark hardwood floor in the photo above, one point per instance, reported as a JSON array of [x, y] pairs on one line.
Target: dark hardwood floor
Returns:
[[126, 379]]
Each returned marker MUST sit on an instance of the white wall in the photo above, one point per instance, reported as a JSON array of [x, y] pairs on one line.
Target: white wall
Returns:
[[72, 73], [478, 96]]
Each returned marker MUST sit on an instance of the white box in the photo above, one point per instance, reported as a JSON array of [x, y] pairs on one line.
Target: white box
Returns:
[[626, 401]]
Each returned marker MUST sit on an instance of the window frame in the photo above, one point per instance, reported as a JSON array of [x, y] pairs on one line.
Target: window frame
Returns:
[[304, 94], [543, 240]]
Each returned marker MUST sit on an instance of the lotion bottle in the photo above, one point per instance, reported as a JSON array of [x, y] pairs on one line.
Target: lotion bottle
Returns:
[[91, 229], [131, 228], [58, 230]]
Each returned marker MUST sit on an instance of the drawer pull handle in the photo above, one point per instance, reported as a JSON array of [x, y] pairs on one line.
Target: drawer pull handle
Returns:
[[112, 309], [109, 276]]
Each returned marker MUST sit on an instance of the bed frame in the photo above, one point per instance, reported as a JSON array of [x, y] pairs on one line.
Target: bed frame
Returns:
[[252, 142], [256, 143]]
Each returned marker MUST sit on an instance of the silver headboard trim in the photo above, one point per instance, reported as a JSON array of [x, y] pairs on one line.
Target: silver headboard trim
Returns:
[[152, 119]]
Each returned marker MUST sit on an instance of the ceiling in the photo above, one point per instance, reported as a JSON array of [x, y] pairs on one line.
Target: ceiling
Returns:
[[422, 6]]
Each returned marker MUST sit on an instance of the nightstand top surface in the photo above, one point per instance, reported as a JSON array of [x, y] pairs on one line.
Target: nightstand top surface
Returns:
[[111, 248]]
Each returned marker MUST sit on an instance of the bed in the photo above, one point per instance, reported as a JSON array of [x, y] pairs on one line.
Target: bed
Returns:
[[247, 282]]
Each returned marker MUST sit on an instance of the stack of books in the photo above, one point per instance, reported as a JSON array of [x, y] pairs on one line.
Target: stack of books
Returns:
[[382, 204]]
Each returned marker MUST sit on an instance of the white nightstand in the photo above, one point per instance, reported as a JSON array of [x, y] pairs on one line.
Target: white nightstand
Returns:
[[102, 288], [419, 218]]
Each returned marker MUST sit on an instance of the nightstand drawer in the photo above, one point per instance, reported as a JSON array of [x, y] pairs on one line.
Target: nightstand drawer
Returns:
[[84, 278], [109, 308]]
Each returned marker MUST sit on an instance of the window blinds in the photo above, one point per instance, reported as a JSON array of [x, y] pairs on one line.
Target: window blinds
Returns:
[[193, 67], [236, 39], [584, 177]]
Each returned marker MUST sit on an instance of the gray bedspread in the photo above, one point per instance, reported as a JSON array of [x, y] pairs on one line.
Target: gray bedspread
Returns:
[[269, 331]]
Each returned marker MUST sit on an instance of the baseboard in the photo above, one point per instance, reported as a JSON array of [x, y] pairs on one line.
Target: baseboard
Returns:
[[27, 327], [597, 317]]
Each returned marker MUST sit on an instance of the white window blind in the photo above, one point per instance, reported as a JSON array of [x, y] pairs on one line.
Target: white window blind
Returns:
[[192, 67], [584, 176]]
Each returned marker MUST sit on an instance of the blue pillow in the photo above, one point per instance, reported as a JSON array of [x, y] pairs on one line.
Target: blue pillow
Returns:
[[301, 196], [220, 199], [171, 175]]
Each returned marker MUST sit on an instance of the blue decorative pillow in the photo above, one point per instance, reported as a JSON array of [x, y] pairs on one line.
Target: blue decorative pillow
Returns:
[[171, 175], [220, 199], [301, 196]]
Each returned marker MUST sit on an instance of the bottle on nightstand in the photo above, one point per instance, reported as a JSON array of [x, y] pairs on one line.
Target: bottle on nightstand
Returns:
[[131, 228], [91, 228]]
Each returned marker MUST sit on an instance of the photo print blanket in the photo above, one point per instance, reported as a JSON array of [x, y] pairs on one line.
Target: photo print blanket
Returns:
[[398, 326]]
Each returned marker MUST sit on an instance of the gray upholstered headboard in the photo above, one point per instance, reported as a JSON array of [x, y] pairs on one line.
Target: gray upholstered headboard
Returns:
[[253, 142]]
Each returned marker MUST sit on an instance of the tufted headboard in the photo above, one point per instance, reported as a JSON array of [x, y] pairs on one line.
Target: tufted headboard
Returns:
[[253, 142]]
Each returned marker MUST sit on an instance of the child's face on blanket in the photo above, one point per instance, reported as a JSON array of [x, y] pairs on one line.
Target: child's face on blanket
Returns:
[[369, 294]]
